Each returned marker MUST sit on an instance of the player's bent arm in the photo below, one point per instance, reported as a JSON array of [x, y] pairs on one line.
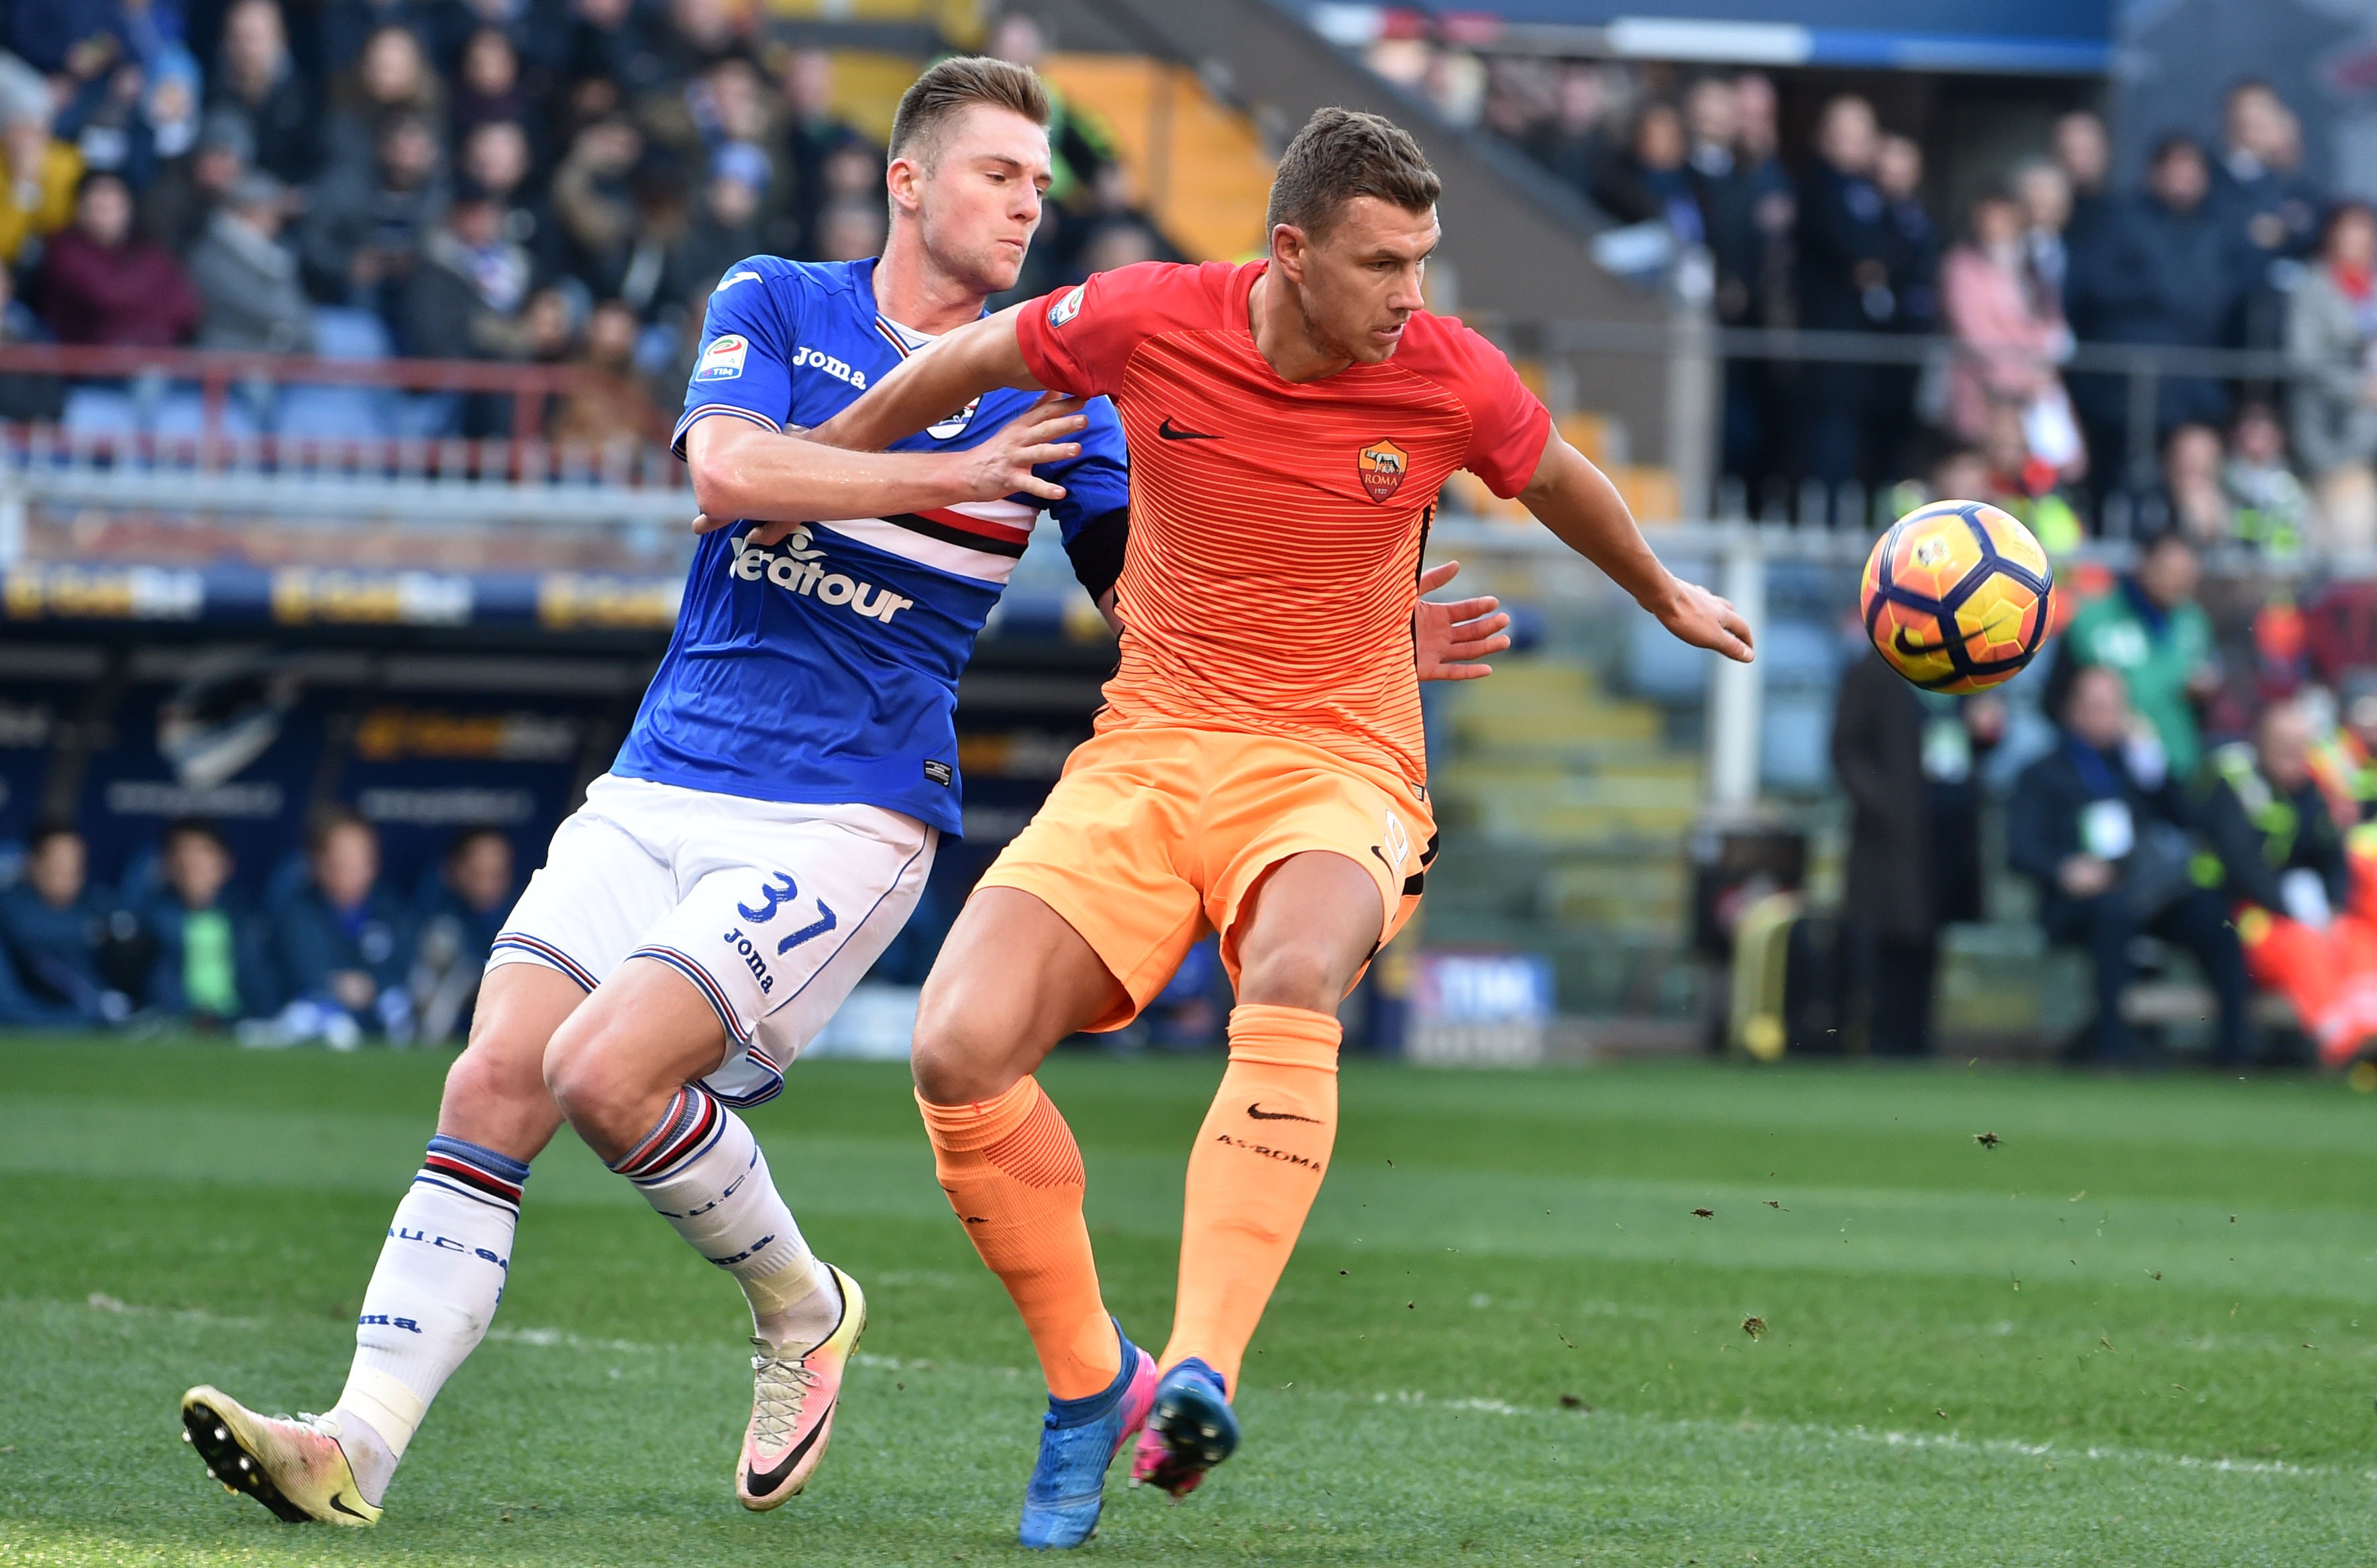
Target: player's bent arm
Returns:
[[981, 356], [1577, 503], [743, 470]]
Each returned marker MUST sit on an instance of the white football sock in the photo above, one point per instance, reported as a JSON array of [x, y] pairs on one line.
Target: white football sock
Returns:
[[441, 1272], [702, 1171]]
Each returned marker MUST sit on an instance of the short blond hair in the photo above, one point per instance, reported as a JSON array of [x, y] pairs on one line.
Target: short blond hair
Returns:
[[952, 87]]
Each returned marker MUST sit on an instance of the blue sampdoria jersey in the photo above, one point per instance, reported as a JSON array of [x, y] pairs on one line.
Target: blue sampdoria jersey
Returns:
[[825, 669]]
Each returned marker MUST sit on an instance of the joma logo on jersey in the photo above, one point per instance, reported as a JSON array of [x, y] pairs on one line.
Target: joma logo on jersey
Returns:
[[840, 369], [1382, 465], [798, 566]]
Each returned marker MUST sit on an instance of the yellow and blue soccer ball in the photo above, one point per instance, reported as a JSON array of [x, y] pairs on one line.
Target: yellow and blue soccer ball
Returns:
[[1957, 597]]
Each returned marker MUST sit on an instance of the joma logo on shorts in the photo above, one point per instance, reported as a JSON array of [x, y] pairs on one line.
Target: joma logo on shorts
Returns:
[[750, 953], [797, 566]]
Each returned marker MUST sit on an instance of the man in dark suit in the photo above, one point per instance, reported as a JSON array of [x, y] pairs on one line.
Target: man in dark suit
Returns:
[[1914, 860], [1844, 284], [2102, 828], [2164, 268]]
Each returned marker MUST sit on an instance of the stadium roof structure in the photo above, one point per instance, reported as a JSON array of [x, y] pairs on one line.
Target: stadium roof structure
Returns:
[[2008, 37]]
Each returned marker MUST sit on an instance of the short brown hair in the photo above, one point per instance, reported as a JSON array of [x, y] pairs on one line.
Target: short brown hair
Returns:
[[1342, 153], [952, 87]]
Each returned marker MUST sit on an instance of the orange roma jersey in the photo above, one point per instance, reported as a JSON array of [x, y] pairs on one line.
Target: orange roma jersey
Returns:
[[1275, 526]]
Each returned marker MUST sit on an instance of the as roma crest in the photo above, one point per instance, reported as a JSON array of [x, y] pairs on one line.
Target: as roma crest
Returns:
[[1382, 465]]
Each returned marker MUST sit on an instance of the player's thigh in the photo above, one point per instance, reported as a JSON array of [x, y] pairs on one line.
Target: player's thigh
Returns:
[[1314, 920], [606, 880], [1318, 864], [1102, 868], [495, 1095], [1013, 979]]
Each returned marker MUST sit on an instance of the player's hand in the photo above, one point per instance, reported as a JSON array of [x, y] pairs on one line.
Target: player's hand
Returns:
[[1002, 465], [1698, 617], [1445, 636]]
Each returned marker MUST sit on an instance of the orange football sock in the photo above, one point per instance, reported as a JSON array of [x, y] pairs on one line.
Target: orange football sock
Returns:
[[1014, 1176], [1252, 1177]]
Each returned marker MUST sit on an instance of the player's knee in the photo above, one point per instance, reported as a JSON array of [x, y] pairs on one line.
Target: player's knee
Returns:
[[593, 1080], [1296, 972], [957, 1056]]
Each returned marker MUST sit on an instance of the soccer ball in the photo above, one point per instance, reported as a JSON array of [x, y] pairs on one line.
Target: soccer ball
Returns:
[[1956, 596]]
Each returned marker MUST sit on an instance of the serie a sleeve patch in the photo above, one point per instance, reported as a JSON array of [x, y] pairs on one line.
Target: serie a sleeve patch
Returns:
[[722, 360]]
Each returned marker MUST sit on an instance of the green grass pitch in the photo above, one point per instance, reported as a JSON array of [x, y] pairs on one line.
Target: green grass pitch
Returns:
[[2130, 1333]]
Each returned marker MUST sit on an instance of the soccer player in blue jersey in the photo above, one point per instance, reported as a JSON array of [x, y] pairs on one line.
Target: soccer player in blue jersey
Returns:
[[770, 820]]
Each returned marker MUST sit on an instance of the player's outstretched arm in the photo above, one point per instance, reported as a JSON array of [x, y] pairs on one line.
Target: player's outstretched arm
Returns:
[[979, 357], [741, 469], [1576, 501]]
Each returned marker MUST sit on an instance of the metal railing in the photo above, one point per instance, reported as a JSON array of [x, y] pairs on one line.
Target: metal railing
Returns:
[[1694, 352], [219, 375]]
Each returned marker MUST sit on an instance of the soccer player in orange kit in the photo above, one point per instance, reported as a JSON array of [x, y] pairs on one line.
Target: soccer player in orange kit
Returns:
[[1259, 767]]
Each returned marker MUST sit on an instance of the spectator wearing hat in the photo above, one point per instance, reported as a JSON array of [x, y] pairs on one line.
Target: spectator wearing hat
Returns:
[[258, 81], [188, 186], [103, 283], [246, 279]]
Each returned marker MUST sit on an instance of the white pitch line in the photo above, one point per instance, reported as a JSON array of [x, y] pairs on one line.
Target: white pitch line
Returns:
[[1950, 1443]]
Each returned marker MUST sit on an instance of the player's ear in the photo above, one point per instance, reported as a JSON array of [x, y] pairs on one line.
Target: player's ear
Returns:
[[1287, 249], [905, 179]]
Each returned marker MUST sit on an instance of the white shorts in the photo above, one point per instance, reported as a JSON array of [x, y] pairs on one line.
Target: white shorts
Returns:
[[774, 911]]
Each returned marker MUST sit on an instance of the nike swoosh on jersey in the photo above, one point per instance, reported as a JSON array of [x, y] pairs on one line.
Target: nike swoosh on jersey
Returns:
[[733, 279], [1256, 1111], [1172, 432]]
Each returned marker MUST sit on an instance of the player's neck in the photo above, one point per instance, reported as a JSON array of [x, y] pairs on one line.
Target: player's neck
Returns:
[[918, 295], [1283, 337]]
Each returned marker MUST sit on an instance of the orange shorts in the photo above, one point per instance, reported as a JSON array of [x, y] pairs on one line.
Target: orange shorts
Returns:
[[1156, 836]]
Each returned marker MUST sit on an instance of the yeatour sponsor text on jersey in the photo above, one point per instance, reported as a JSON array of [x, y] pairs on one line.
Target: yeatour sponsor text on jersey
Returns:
[[797, 566]]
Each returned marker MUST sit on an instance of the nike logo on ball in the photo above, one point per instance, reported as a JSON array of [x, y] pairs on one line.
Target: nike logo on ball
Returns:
[[1172, 432], [1256, 1111]]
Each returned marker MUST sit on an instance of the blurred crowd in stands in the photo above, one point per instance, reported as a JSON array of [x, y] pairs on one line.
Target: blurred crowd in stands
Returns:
[[545, 180], [2225, 246], [2192, 792], [330, 952]]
